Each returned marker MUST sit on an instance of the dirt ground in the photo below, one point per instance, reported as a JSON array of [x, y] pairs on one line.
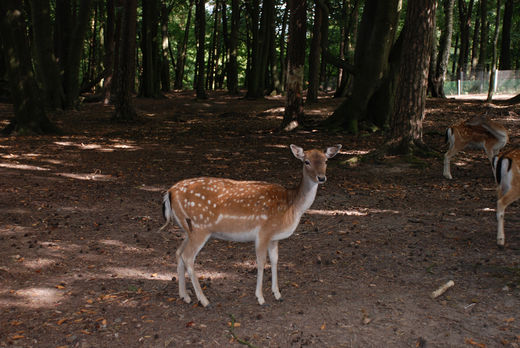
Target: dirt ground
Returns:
[[82, 263]]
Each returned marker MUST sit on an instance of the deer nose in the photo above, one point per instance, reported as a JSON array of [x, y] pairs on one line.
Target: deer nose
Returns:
[[321, 178]]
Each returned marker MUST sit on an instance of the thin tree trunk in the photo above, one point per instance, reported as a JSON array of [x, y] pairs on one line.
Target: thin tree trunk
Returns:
[[124, 110], [232, 69], [200, 28], [315, 55], [441, 65], [281, 45], [181, 51], [294, 113], [484, 33], [494, 59], [150, 78], [109, 46], [505, 45], [465, 24], [165, 45]]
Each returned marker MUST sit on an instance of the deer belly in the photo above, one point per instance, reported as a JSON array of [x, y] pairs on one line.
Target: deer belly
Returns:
[[475, 145], [287, 231], [246, 235]]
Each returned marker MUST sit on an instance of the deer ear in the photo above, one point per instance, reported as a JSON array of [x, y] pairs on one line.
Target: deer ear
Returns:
[[332, 151], [297, 152]]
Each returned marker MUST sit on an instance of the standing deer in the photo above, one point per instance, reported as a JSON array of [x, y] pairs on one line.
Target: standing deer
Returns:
[[507, 175], [479, 132], [241, 211]]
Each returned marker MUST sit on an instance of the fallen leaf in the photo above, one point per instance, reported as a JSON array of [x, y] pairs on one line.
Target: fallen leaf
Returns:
[[154, 275], [61, 321], [323, 326], [509, 320], [235, 324], [190, 324], [17, 337], [16, 323], [59, 286], [473, 343]]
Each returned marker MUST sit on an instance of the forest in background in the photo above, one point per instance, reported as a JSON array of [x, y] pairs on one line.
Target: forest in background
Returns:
[[376, 55]]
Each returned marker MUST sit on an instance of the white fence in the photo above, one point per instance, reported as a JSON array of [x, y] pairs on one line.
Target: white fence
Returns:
[[477, 82]]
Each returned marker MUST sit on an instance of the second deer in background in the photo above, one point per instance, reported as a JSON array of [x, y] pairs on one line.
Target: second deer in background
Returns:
[[478, 132]]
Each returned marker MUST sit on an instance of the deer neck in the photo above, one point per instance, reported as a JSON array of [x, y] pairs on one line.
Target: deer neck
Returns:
[[304, 194]]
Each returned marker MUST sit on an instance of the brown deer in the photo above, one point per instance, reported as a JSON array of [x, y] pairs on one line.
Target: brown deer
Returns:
[[507, 175], [242, 211], [478, 132]]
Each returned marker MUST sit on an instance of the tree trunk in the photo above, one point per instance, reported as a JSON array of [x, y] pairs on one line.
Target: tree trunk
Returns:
[[494, 59], [315, 55], [441, 65], [165, 45], [484, 33], [124, 110], [150, 77], [181, 51], [46, 61], [406, 123], [29, 111], [505, 46], [232, 68], [294, 114], [281, 45], [465, 23], [74, 51], [109, 46], [254, 84], [200, 29], [373, 47]]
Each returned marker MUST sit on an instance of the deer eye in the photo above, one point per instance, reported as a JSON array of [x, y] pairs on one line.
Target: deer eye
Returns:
[[307, 163]]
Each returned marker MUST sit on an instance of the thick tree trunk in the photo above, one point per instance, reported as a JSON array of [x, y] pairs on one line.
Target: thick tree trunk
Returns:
[[484, 36], [294, 114], [46, 61], [374, 42], [282, 47], [232, 67], [30, 117], [505, 45], [124, 110], [200, 29], [181, 51], [406, 123]]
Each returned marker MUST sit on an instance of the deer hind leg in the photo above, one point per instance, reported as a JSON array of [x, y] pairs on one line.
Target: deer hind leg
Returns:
[[502, 203], [188, 254], [181, 272], [261, 251], [452, 151], [272, 249]]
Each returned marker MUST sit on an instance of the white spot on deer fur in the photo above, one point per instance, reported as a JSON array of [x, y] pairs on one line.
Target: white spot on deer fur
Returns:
[[192, 204], [197, 194]]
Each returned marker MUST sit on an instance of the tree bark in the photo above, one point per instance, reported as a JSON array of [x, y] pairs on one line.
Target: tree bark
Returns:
[[406, 123], [484, 36], [465, 24], [29, 111], [165, 45], [294, 113], [46, 61], [200, 29], [124, 110]]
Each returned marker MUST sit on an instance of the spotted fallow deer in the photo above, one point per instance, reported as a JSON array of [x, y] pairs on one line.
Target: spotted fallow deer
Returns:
[[478, 132], [242, 211], [507, 175]]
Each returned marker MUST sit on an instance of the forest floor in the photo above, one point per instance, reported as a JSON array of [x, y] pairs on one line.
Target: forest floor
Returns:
[[82, 263]]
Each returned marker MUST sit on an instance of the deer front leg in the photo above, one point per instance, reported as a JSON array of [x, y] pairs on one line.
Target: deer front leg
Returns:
[[447, 172], [502, 204], [273, 258]]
